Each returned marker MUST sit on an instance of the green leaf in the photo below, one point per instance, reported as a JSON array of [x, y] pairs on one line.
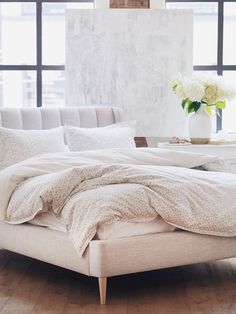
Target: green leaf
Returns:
[[221, 104], [208, 110], [190, 107], [196, 105], [184, 103]]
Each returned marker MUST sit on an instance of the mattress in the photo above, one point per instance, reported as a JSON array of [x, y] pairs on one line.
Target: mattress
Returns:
[[108, 231]]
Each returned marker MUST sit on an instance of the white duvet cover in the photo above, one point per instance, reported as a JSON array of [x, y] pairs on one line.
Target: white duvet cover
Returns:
[[88, 189]]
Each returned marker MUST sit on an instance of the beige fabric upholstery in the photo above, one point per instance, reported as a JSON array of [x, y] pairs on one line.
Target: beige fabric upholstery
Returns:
[[136, 254], [115, 257], [47, 245], [46, 118]]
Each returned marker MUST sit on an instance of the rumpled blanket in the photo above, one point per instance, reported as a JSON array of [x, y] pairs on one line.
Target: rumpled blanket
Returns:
[[87, 189]]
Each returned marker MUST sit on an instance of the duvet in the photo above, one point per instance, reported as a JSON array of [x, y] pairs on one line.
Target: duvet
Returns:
[[86, 189]]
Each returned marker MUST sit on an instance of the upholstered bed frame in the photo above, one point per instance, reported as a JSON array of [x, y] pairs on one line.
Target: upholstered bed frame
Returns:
[[103, 258]]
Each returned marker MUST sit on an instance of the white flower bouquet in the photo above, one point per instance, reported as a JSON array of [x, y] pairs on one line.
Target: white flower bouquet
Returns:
[[195, 91]]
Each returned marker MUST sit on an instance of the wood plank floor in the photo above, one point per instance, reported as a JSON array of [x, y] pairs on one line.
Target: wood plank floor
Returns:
[[30, 286]]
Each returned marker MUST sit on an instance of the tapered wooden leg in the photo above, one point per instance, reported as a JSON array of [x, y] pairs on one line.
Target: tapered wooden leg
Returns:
[[102, 289]]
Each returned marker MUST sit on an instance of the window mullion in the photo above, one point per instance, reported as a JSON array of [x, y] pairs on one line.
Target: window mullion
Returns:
[[39, 51], [220, 52], [220, 35]]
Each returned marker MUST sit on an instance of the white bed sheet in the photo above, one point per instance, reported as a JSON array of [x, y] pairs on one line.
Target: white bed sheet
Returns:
[[108, 231]]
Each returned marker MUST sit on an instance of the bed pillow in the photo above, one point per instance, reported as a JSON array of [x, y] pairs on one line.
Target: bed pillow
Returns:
[[119, 135], [18, 145]]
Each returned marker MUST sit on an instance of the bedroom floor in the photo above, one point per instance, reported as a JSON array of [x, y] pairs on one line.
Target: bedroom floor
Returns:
[[30, 286]]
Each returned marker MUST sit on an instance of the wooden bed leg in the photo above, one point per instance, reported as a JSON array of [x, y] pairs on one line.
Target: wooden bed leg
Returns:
[[102, 289]]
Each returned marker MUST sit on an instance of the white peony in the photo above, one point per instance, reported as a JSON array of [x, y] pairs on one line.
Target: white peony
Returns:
[[179, 90], [206, 89], [177, 81], [226, 92], [193, 90], [229, 93], [211, 94]]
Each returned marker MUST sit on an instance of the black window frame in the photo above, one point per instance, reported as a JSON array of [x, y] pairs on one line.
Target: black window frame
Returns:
[[39, 67]]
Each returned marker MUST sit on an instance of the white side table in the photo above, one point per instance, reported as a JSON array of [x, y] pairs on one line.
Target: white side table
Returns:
[[226, 151]]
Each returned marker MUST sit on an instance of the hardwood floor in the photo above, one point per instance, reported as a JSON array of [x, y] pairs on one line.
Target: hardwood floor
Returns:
[[30, 286]]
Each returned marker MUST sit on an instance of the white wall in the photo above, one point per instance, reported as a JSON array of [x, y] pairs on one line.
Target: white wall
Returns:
[[127, 58]]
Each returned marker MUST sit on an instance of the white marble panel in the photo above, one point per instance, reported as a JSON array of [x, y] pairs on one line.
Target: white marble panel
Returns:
[[127, 58]]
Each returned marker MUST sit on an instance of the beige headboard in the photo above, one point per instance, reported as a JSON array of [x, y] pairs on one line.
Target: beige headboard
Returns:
[[46, 118]]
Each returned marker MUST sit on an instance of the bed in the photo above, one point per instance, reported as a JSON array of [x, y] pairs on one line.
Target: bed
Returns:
[[103, 258]]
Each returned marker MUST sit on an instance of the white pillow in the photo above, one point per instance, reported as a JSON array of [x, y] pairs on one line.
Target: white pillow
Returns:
[[119, 135], [18, 145]]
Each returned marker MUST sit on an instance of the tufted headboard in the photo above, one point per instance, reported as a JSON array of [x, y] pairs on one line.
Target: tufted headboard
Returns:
[[46, 118]]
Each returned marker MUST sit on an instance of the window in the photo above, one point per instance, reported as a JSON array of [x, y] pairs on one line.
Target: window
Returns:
[[214, 47], [32, 51], [36, 31]]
